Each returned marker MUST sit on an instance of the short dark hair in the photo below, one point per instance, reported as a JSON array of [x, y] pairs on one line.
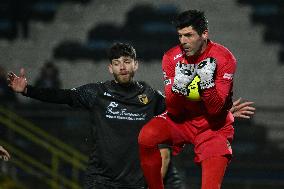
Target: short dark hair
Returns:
[[194, 18], [121, 49]]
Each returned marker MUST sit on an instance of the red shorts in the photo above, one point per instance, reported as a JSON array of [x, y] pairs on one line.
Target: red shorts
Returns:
[[207, 142]]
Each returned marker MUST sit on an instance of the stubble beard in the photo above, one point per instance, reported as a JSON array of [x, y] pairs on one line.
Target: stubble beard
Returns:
[[124, 79]]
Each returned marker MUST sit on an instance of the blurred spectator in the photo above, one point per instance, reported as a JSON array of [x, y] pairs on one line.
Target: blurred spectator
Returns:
[[49, 76], [6, 94]]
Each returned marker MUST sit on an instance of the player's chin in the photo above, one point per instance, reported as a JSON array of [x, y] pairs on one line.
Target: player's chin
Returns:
[[124, 79], [189, 53]]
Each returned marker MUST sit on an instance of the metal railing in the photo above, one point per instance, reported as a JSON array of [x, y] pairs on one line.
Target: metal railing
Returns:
[[59, 151]]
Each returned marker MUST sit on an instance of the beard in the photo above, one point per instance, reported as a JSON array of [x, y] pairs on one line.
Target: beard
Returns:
[[124, 79]]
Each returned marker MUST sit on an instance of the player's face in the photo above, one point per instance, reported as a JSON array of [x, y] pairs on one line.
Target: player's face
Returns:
[[123, 69], [191, 42]]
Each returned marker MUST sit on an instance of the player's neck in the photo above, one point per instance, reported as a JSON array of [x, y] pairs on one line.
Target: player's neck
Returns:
[[204, 46], [127, 84]]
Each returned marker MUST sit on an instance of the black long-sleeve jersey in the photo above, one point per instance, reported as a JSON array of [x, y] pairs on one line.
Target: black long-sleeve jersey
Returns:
[[118, 113]]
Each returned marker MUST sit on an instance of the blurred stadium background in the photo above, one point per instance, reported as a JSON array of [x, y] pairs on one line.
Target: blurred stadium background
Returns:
[[62, 43]]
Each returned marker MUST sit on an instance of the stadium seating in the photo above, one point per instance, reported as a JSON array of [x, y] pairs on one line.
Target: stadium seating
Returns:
[[145, 26], [270, 14], [15, 16]]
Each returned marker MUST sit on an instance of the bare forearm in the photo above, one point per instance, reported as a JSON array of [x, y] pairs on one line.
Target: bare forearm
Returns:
[[165, 154]]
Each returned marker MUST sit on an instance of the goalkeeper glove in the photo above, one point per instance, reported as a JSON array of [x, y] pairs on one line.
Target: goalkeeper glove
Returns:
[[206, 70], [184, 74]]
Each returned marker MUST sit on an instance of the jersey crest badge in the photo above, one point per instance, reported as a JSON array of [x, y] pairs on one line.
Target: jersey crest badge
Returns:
[[143, 98]]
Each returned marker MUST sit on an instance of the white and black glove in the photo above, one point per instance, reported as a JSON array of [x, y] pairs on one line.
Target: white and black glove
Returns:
[[206, 70], [184, 74]]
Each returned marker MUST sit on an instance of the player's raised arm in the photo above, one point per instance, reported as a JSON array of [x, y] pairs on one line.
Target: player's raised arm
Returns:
[[17, 83]]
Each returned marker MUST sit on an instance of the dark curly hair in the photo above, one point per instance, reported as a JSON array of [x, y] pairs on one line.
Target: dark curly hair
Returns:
[[121, 49], [194, 18]]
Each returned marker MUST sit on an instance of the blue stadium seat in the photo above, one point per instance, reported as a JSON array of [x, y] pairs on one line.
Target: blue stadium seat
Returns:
[[44, 10]]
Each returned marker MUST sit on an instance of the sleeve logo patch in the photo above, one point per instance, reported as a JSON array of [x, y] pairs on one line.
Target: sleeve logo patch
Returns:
[[177, 56], [228, 76]]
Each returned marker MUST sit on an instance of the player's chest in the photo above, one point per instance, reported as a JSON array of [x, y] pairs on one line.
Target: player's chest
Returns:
[[137, 108]]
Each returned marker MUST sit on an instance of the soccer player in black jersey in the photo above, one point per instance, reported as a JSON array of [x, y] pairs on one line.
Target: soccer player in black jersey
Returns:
[[119, 108]]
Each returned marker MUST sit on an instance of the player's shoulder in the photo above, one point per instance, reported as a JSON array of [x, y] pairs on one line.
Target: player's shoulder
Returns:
[[145, 87], [174, 52], [87, 89], [90, 86], [105, 86], [93, 85], [221, 51]]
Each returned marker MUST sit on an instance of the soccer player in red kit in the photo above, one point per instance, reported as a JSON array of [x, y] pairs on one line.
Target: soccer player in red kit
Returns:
[[205, 122]]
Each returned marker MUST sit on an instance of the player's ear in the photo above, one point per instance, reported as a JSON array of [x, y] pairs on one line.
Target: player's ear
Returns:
[[110, 68], [205, 34], [136, 65]]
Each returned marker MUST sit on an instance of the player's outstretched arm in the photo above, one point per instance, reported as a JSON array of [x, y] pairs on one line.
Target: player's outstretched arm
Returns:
[[4, 154], [242, 109], [17, 83]]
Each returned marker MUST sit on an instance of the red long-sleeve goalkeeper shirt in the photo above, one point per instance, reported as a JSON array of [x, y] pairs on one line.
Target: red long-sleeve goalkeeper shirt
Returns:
[[214, 101]]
